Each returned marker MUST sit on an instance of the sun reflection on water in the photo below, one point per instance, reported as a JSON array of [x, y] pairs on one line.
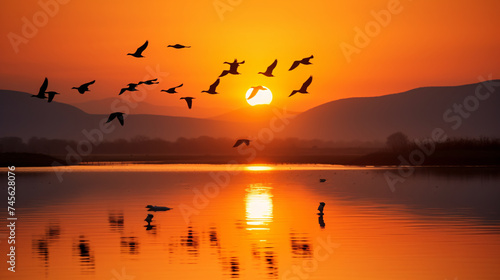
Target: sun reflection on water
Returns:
[[259, 207], [258, 168]]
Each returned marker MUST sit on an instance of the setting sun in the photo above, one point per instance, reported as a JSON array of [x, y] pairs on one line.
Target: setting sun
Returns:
[[263, 96], [146, 142]]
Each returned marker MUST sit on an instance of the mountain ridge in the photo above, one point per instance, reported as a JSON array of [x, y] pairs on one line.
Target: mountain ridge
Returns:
[[415, 112]]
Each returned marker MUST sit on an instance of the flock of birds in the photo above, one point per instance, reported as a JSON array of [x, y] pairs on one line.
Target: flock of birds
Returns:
[[233, 70]]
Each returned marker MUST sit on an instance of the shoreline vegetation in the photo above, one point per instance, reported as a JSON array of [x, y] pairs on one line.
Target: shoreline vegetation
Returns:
[[398, 150]]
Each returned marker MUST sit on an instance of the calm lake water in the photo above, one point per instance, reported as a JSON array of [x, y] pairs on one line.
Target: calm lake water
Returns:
[[258, 222]]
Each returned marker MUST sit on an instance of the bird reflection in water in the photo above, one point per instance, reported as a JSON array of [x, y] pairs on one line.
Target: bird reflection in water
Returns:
[[151, 227], [235, 267], [116, 221], [214, 240], [321, 221], [53, 232], [232, 265], [41, 246], [259, 217], [300, 245], [191, 242], [129, 244], [271, 262], [86, 256]]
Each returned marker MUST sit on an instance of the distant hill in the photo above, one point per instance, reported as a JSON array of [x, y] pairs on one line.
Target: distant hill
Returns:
[[250, 114], [26, 117], [415, 112], [102, 106]]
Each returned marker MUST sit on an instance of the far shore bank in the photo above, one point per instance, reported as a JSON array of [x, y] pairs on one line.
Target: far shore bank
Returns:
[[377, 158]]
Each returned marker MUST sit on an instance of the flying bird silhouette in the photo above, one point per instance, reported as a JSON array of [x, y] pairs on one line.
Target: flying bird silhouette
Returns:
[[241, 141], [269, 71], [213, 87], [138, 52], [51, 95], [304, 61], [172, 89], [149, 82], [131, 87], [41, 91], [233, 68], [83, 88], [255, 91], [178, 46], [303, 89], [189, 101], [118, 115]]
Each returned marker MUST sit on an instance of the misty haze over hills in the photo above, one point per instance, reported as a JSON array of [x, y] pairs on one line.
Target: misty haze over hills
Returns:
[[103, 106], [416, 112]]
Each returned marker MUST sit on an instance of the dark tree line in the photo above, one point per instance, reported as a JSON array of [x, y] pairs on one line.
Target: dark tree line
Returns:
[[182, 146], [400, 143], [205, 145]]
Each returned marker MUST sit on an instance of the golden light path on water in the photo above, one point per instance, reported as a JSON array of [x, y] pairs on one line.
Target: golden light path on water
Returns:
[[259, 207], [258, 168]]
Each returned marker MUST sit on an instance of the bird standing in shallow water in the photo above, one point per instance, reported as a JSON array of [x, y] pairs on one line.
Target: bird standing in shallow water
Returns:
[[304, 61], [149, 219], [321, 207], [138, 52]]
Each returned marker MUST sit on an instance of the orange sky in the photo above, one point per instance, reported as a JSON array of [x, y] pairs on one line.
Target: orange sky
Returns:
[[425, 43]]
